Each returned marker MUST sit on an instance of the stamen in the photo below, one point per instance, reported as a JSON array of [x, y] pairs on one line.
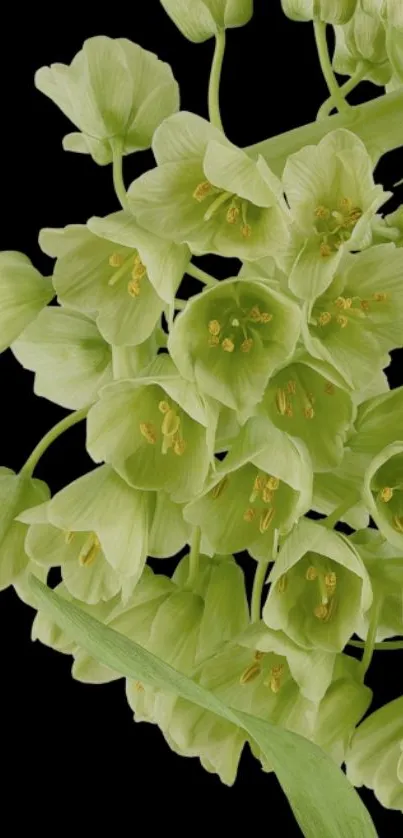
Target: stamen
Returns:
[[138, 686], [139, 269], [273, 483], [330, 388], [282, 584], [309, 412], [246, 229], [289, 411], [343, 302], [213, 341], [311, 574], [247, 344], [386, 494], [163, 407], [325, 318], [325, 250], [379, 297], [233, 214], [115, 260], [170, 423], [202, 191], [265, 520], [342, 321], [258, 655], [292, 387], [267, 495], [322, 212], [331, 582], [249, 515], [398, 523], [321, 612], [265, 317], [148, 431], [214, 327], [89, 552], [222, 199], [134, 288], [179, 447], [258, 486], [364, 305], [274, 679], [228, 345], [255, 314], [281, 402], [250, 674], [219, 488]]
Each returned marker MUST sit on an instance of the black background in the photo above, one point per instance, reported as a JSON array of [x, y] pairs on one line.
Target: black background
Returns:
[[67, 747]]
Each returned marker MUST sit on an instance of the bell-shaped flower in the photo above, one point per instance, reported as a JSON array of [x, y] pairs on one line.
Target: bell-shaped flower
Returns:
[[359, 318], [17, 492], [332, 197], [329, 11], [231, 338], [319, 588], [379, 422], [116, 272], [362, 41], [96, 530], [375, 759], [306, 399], [209, 194], [153, 431], [264, 484], [23, 294], [202, 19], [69, 357], [383, 492], [385, 569], [331, 488], [115, 92]]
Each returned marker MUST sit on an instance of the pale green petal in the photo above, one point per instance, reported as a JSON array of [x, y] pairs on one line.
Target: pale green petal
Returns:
[[330, 489], [23, 294], [185, 136], [201, 19], [379, 422], [169, 531], [100, 150], [17, 493], [312, 273], [233, 171], [386, 470]]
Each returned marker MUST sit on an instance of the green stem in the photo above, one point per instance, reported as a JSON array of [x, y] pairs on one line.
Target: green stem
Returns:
[[383, 646], [118, 181], [54, 433], [345, 89], [180, 304], [338, 513], [194, 557], [215, 77], [258, 582], [371, 636], [326, 66], [197, 273]]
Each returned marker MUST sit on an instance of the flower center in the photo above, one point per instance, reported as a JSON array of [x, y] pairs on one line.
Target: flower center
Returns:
[[236, 332], [284, 400], [234, 209], [343, 309], [335, 225], [170, 429], [327, 583], [132, 266], [261, 507], [89, 551]]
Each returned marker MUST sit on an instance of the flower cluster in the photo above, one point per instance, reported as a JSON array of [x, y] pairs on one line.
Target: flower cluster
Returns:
[[226, 420]]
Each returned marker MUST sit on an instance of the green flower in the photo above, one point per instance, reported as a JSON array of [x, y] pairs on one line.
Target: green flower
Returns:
[[332, 196], [209, 194], [379, 422], [362, 40], [153, 430], [319, 588], [231, 338], [383, 492], [306, 401], [117, 273], [264, 484], [17, 493], [330, 489], [375, 758], [360, 317], [386, 574], [202, 19], [70, 359], [329, 11], [23, 294], [115, 92]]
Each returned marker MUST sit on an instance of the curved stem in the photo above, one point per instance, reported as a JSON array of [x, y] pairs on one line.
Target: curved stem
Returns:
[[202, 276], [326, 66], [194, 556], [180, 304], [215, 77], [338, 513], [345, 89], [118, 181], [382, 646], [258, 582], [54, 433], [371, 636]]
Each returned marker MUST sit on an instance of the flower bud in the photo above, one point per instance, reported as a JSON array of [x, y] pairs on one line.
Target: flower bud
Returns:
[[362, 39], [329, 11], [17, 493], [23, 294], [201, 19]]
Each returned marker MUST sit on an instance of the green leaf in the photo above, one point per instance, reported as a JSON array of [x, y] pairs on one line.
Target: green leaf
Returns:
[[322, 799]]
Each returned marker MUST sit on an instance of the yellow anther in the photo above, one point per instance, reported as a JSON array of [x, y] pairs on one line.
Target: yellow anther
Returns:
[[68, 537], [322, 212], [266, 317], [331, 582], [325, 318], [267, 495], [343, 302], [342, 321], [379, 297], [398, 523], [214, 327], [311, 574], [255, 314], [321, 612], [139, 270], [115, 260], [386, 494], [329, 388], [289, 411], [179, 446], [265, 520], [148, 431], [138, 686], [281, 402], [219, 488], [272, 483], [354, 216], [309, 412], [247, 344], [246, 231], [325, 250], [163, 407], [282, 584], [202, 191], [346, 205], [274, 679], [89, 552], [292, 387], [228, 345], [258, 655], [250, 674], [249, 515], [233, 214], [134, 288], [213, 340], [258, 486], [364, 305], [170, 423]]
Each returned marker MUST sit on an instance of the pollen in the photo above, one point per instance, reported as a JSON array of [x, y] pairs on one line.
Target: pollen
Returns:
[[325, 250], [329, 388], [255, 314], [148, 431], [250, 673], [265, 520], [311, 574], [398, 523], [309, 412], [343, 302], [232, 215], [214, 327], [214, 340], [342, 321], [219, 488], [281, 402], [282, 584], [364, 305], [380, 297], [179, 446], [321, 612], [134, 288], [266, 317], [249, 515], [246, 231], [89, 552], [228, 345], [289, 411], [292, 387], [170, 423], [325, 318], [273, 483], [258, 656], [202, 191], [247, 344], [163, 407], [258, 486], [274, 679], [322, 213], [386, 494], [267, 495], [331, 582], [115, 260]]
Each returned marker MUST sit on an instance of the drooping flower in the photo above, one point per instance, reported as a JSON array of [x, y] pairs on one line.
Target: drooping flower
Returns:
[[329, 11], [264, 484], [153, 431], [17, 492], [379, 422], [362, 41], [202, 19], [115, 92], [331, 488], [375, 758], [209, 194], [332, 196], [23, 294], [231, 338], [319, 588], [70, 358], [383, 492], [385, 569]]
